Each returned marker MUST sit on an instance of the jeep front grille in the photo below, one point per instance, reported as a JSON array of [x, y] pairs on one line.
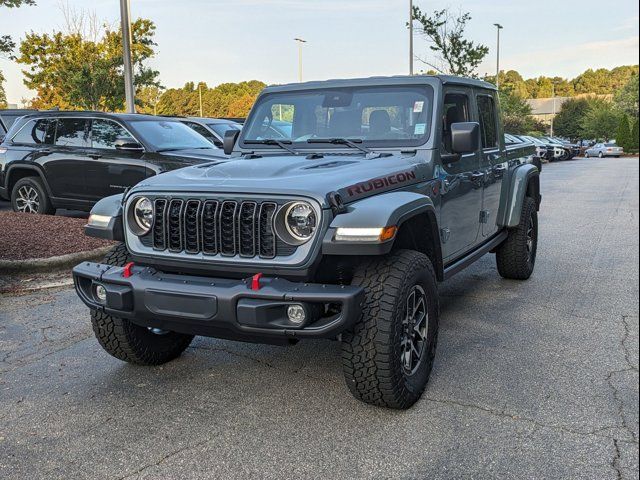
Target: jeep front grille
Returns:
[[216, 227]]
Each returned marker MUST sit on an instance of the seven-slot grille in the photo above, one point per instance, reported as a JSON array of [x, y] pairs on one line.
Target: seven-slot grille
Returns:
[[215, 227]]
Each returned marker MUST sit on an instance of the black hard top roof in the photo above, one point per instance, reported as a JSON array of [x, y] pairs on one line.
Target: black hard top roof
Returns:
[[383, 81]]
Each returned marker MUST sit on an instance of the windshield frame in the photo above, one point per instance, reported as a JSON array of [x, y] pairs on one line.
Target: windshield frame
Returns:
[[160, 148], [426, 89]]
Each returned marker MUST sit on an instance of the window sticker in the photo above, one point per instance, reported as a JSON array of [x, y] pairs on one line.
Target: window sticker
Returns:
[[418, 107], [420, 129]]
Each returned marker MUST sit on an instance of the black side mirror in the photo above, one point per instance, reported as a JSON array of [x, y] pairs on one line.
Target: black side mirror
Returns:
[[465, 137], [230, 139], [128, 144]]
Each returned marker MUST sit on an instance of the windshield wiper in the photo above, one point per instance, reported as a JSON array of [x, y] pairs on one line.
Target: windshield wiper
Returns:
[[176, 149], [278, 143], [341, 141]]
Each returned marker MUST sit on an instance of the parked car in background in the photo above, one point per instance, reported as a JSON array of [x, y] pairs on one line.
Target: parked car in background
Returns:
[[51, 160], [213, 129], [604, 150], [8, 116], [561, 151]]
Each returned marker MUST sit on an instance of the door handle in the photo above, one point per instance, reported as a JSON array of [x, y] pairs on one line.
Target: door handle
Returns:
[[95, 156]]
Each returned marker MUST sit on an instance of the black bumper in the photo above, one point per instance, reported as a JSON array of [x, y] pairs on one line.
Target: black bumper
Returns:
[[218, 307]]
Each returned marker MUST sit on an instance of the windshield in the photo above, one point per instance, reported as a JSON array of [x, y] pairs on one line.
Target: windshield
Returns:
[[169, 135], [222, 128], [376, 116]]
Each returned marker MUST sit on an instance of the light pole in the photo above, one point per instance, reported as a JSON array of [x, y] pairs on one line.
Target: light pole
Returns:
[[498, 27], [410, 37], [129, 90], [300, 43], [200, 97]]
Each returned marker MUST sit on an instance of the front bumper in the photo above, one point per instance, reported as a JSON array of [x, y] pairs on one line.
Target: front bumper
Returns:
[[218, 307]]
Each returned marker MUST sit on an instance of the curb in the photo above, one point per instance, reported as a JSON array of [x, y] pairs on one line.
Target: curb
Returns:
[[59, 262]]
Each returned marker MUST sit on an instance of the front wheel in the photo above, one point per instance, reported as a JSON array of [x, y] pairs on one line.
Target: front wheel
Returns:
[[516, 256], [600, 155], [28, 195], [130, 342], [388, 355]]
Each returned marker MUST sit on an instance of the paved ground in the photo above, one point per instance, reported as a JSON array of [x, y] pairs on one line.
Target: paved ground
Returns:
[[532, 380]]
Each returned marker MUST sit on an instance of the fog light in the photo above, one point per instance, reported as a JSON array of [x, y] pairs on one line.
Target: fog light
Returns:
[[101, 294], [297, 314]]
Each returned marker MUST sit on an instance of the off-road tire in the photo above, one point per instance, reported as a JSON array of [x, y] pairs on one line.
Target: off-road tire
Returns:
[[130, 342], [514, 258], [45, 206], [371, 350]]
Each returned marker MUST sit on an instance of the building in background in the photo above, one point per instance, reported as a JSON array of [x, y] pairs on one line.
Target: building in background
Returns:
[[542, 109]]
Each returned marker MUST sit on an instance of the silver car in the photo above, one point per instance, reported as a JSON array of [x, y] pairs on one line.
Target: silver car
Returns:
[[604, 150]]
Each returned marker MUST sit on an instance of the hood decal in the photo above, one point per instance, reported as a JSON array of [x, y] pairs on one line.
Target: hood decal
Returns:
[[379, 184]]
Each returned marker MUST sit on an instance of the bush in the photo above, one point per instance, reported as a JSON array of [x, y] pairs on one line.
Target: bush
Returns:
[[634, 137], [623, 135]]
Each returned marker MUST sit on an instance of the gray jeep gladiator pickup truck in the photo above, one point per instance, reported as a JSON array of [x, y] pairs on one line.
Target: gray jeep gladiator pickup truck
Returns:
[[337, 224]]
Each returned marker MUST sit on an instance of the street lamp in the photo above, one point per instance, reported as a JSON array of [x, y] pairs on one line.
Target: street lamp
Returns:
[[498, 27], [410, 37], [129, 90], [300, 43]]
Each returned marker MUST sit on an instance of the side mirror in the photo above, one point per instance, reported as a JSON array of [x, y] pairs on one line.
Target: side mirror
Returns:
[[230, 139], [465, 137], [128, 144]]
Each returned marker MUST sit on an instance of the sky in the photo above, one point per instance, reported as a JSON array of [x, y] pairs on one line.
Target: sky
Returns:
[[219, 41]]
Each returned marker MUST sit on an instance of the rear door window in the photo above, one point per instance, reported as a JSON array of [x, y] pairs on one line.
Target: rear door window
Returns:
[[72, 132], [36, 132], [488, 121], [104, 134]]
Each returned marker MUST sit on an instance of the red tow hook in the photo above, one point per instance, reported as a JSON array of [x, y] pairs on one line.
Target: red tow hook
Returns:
[[255, 282], [126, 270]]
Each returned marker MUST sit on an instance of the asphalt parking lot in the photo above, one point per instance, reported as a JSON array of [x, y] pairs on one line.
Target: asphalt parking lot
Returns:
[[532, 380]]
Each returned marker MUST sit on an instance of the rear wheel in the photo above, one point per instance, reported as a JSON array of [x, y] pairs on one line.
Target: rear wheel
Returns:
[[388, 355], [516, 257], [601, 155], [28, 195], [130, 342]]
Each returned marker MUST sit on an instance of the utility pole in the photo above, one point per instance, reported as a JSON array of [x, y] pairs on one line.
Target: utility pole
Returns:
[[300, 43], [200, 97], [498, 27], [129, 90], [410, 37]]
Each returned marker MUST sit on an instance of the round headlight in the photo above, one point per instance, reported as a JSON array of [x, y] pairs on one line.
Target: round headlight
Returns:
[[300, 221], [143, 214]]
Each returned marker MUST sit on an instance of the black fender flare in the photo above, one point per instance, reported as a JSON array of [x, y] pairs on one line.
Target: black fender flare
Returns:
[[520, 179], [26, 166]]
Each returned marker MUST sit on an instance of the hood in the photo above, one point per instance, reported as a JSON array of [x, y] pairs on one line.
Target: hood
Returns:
[[197, 153], [354, 176]]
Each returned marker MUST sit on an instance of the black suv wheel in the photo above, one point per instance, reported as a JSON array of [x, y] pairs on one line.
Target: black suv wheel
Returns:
[[29, 196], [516, 257], [388, 355], [130, 342]]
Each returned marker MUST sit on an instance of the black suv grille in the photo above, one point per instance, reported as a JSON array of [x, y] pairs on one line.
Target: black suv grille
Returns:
[[216, 227]]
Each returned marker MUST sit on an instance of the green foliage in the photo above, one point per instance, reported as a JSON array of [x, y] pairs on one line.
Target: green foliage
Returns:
[[70, 71], [603, 81], [6, 42], [226, 100], [445, 33], [635, 137], [568, 122], [601, 120], [3, 95], [623, 135], [516, 112], [627, 97]]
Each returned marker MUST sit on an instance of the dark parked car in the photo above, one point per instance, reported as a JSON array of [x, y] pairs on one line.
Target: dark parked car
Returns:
[[213, 129], [8, 116], [341, 230], [52, 160]]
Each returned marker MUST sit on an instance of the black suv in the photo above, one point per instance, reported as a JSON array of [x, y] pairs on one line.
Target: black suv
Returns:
[[213, 129], [52, 160]]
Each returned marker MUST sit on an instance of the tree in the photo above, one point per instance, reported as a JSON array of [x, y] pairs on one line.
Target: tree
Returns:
[[83, 69], [445, 32], [601, 120], [626, 99], [634, 137], [623, 134], [516, 113], [147, 99], [6, 42], [568, 122], [3, 95]]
